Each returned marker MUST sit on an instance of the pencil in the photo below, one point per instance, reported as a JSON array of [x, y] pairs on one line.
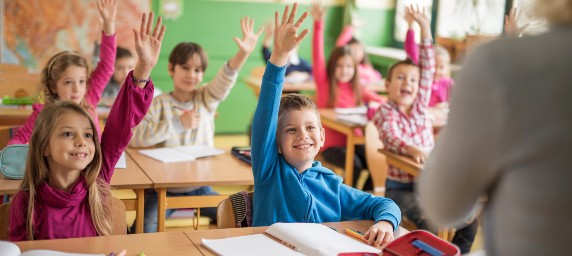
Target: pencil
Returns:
[[355, 234]]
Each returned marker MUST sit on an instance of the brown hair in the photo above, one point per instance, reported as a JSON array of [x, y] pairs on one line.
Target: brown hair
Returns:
[[365, 59], [294, 101], [337, 54], [181, 54], [397, 64], [37, 168], [53, 70]]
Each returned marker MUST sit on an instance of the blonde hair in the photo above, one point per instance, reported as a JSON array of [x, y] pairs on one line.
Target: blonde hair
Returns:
[[37, 168], [556, 12], [53, 71]]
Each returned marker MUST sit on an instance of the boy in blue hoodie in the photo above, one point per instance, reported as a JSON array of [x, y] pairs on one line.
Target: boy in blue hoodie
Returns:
[[287, 134]]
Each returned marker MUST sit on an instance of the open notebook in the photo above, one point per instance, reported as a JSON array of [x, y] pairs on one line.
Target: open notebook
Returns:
[[290, 239], [180, 154], [11, 249]]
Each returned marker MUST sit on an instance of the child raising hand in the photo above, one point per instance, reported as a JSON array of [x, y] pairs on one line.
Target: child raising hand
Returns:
[[67, 76], [290, 186], [65, 192]]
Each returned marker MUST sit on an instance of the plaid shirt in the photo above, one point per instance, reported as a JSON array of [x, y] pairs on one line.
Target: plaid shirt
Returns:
[[398, 130]]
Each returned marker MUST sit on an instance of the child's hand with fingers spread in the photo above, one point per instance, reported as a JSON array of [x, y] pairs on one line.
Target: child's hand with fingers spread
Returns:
[[408, 16], [285, 39], [317, 11], [249, 38], [380, 234], [511, 27], [107, 10], [148, 46], [268, 29], [419, 15]]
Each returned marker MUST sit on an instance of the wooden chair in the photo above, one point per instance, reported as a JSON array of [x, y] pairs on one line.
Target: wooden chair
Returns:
[[376, 161], [119, 226], [227, 212], [6, 133]]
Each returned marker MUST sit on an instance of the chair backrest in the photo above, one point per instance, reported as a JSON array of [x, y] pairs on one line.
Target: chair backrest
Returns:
[[4, 221], [6, 134], [235, 205], [119, 223], [375, 161]]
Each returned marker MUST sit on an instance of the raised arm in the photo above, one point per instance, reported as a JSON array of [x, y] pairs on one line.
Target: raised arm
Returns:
[[411, 48], [511, 27], [135, 95], [264, 147], [268, 33], [346, 35], [246, 45], [104, 69], [427, 57], [318, 57]]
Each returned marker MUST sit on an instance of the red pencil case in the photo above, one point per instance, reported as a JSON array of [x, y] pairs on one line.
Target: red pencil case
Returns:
[[420, 242]]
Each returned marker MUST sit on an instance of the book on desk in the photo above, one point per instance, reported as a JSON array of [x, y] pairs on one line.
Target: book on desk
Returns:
[[290, 239], [11, 249], [181, 154]]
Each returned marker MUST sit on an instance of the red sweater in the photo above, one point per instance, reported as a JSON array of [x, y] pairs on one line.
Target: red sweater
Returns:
[[59, 214]]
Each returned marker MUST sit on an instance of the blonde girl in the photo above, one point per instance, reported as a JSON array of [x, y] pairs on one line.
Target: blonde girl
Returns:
[[65, 192], [66, 76]]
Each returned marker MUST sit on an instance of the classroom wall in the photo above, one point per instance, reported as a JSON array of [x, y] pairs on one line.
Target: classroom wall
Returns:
[[212, 24]]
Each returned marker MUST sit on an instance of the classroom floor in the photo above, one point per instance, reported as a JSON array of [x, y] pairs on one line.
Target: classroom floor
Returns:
[[228, 141]]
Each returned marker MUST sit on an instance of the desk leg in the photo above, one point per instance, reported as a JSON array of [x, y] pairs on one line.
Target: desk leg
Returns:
[[140, 210], [162, 207], [350, 152]]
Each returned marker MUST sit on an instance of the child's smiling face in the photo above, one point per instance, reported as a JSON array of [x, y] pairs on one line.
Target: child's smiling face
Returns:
[[71, 146], [403, 85], [300, 137]]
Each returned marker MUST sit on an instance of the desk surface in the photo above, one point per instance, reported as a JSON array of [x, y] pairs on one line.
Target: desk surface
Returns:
[[197, 235], [402, 162], [165, 243], [131, 177], [222, 169]]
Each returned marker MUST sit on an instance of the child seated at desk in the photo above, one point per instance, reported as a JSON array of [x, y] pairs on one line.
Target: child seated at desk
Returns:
[[338, 86], [124, 62], [404, 127], [289, 185], [65, 192], [186, 115], [67, 76]]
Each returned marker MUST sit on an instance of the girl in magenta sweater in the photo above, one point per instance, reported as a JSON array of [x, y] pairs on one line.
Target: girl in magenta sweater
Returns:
[[338, 86], [66, 76], [65, 192]]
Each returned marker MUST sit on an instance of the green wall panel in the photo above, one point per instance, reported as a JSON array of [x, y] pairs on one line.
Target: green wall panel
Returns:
[[213, 24]]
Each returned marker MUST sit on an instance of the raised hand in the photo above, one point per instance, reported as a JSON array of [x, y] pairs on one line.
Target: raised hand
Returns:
[[317, 11], [511, 27], [249, 38], [147, 46], [419, 15], [107, 11], [285, 38], [408, 16]]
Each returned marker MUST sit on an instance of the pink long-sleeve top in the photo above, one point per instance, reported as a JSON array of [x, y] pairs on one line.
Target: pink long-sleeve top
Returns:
[[440, 89], [60, 214], [97, 82], [367, 74], [345, 96]]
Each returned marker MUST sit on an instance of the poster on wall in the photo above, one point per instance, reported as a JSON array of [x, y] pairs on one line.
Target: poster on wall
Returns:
[[35, 30], [457, 19]]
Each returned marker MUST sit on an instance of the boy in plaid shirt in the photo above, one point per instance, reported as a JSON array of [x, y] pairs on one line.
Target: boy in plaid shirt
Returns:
[[405, 127]]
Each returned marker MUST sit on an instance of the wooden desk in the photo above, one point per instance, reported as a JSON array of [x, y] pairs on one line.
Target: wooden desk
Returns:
[[220, 170], [402, 162], [12, 115], [197, 235], [131, 177], [166, 243], [254, 83], [329, 119]]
